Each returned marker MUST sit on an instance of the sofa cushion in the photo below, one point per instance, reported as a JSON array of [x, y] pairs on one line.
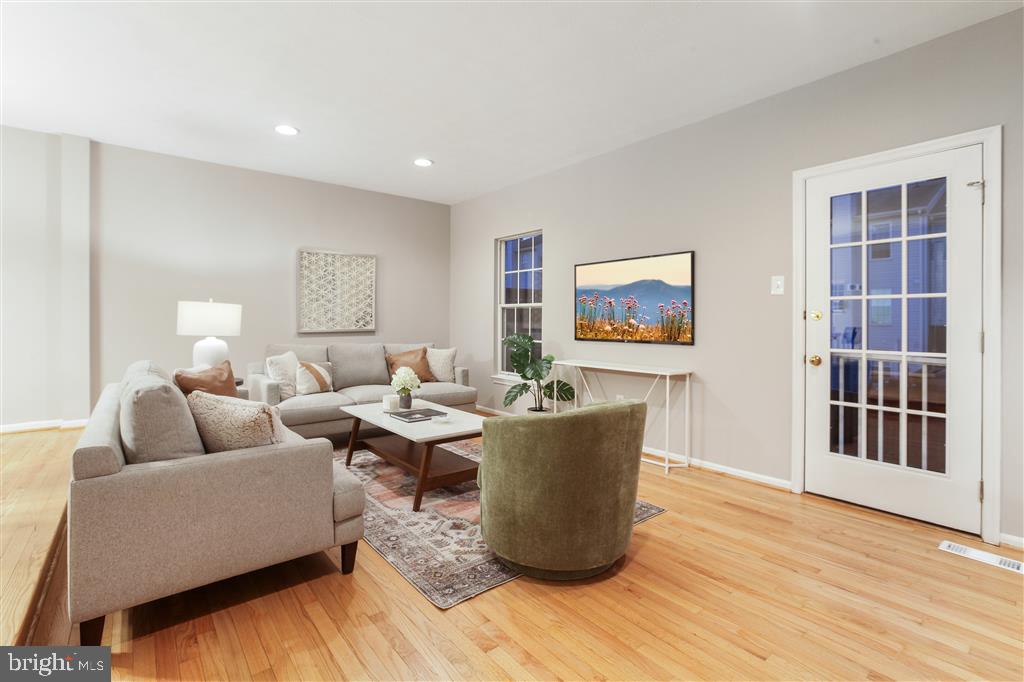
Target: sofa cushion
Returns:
[[442, 363], [155, 421], [303, 351], [415, 359], [218, 380], [356, 364], [314, 377], [370, 393], [446, 393], [227, 423], [284, 369], [143, 368], [396, 348], [349, 498], [313, 408]]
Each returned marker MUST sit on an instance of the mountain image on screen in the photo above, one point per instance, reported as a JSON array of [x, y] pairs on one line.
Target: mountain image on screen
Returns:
[[648, 293], [642, 311]]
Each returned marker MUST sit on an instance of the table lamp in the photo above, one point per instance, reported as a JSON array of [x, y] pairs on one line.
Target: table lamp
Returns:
[[209, 319]]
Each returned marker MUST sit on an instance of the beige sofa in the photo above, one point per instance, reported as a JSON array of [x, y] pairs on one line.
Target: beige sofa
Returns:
[[360, 375], [138, 532]]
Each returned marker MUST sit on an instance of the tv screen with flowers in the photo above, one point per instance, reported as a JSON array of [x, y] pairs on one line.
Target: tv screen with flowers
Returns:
[[636, 300]]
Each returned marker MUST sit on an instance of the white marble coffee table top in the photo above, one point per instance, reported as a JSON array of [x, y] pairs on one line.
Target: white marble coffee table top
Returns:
[[460, 423]]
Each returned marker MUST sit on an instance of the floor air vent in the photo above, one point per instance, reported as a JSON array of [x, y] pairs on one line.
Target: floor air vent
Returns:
[[984, 557]]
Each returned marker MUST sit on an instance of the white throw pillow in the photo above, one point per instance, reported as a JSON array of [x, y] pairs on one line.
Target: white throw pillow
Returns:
[[442, 363], [227, 423], [284, 368], [313, 377]]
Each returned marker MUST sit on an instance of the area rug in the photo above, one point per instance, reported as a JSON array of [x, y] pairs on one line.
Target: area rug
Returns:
[[438, 549]]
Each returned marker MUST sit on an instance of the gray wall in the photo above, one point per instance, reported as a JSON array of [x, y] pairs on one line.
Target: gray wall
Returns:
[[723, 187], [30, 246], [167, 229]]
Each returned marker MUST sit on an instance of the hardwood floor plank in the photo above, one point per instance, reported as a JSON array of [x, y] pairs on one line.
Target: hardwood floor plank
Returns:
[[735, 581]]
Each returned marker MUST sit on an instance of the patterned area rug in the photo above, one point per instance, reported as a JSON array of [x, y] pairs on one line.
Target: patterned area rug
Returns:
[[438, 549]]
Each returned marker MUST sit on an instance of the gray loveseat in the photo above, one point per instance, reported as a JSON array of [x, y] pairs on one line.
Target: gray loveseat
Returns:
[[360, 375], [145, 530]]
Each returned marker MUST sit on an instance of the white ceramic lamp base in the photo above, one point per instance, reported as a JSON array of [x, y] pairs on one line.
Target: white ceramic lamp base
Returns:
[[209, 352]]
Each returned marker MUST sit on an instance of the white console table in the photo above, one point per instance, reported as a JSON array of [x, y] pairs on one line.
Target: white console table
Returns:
[[666, 374]]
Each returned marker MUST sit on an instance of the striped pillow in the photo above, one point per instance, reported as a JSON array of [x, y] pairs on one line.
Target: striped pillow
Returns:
[[313, 377]]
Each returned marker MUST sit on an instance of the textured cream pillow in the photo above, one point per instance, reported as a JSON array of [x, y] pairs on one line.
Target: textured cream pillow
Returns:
[[313, 377], [442, 363], [283, 368], [226, 423]]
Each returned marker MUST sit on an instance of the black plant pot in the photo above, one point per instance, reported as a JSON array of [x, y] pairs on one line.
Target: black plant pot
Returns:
[[537, 410]]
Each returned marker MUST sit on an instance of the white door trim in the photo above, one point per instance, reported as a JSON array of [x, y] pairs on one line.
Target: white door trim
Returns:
[[991, 140]]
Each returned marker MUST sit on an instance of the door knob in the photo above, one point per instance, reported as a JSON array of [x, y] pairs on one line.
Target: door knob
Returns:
[[814, 360], [815, 314]]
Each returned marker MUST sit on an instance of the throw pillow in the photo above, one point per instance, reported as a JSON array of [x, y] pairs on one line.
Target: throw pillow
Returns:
[[313, 377], [226, 423], [218, 380], [416, 360], [155, 421], [442, 363], [283, 368]]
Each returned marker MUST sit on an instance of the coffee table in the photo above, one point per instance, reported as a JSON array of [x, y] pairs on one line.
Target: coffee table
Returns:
[[412, 446]]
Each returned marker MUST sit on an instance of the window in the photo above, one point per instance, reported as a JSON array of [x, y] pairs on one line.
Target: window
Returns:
[[521, 285]]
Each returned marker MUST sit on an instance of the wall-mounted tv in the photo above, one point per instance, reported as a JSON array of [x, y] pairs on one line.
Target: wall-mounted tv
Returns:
[[636, 300]]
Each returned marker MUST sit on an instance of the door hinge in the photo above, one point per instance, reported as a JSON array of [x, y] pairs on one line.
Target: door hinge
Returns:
[[805, 314], [981, 341], [981, 491], [980, 184]]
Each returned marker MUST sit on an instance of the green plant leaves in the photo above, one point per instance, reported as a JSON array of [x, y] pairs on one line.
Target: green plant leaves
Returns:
[[515, 392], [563, 389], [534, 370]]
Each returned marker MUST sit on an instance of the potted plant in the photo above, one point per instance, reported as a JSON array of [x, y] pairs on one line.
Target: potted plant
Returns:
[[534, 371], [405, 382]]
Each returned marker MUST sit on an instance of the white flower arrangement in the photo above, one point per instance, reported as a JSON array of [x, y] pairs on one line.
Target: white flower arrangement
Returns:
[[405, 381]]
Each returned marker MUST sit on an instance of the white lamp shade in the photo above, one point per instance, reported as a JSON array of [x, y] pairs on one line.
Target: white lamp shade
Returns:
[[206, 318]]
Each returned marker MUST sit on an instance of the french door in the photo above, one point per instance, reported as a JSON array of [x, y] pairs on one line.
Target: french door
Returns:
[[893, 371]]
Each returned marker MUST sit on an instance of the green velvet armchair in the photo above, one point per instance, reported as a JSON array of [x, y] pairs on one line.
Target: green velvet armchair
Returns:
[[558, 491]]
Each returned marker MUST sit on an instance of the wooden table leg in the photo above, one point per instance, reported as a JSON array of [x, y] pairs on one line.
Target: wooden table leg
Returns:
[[353, 437], [424, 468]]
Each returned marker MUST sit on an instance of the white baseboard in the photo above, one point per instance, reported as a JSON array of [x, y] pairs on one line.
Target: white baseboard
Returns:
[[1011, 540], [722, 469], [740, 473], [43, 425], [496, 413]]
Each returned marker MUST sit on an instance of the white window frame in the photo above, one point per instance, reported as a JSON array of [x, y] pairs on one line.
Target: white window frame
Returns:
[[500, 376]]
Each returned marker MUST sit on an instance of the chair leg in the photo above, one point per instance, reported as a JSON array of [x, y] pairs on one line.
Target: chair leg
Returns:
[[348, 557], [91, 631]]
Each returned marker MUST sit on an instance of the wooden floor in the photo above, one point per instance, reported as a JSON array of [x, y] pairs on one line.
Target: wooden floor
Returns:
[[34, 470], [735, 581]]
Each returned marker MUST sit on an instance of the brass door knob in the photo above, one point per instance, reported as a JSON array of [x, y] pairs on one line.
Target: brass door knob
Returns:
[[814, 360]]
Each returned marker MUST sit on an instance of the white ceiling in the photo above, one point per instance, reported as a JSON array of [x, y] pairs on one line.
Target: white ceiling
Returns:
[[494, 93]]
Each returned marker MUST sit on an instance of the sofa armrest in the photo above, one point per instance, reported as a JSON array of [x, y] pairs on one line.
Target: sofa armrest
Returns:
[[158, 528], [263, 389], [98, 452], [462, 375]]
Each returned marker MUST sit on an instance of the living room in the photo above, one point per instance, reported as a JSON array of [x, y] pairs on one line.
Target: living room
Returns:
[[365, 340]]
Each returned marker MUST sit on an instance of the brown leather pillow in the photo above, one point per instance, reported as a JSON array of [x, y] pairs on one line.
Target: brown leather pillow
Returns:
[[415, 359], [218, 380]]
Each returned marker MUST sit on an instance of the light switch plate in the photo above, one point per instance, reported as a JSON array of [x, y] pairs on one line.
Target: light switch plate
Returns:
[[778, 286]]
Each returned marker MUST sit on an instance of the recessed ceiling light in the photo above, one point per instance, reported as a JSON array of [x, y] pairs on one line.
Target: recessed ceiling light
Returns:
[[286, 129], [423, 163]]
